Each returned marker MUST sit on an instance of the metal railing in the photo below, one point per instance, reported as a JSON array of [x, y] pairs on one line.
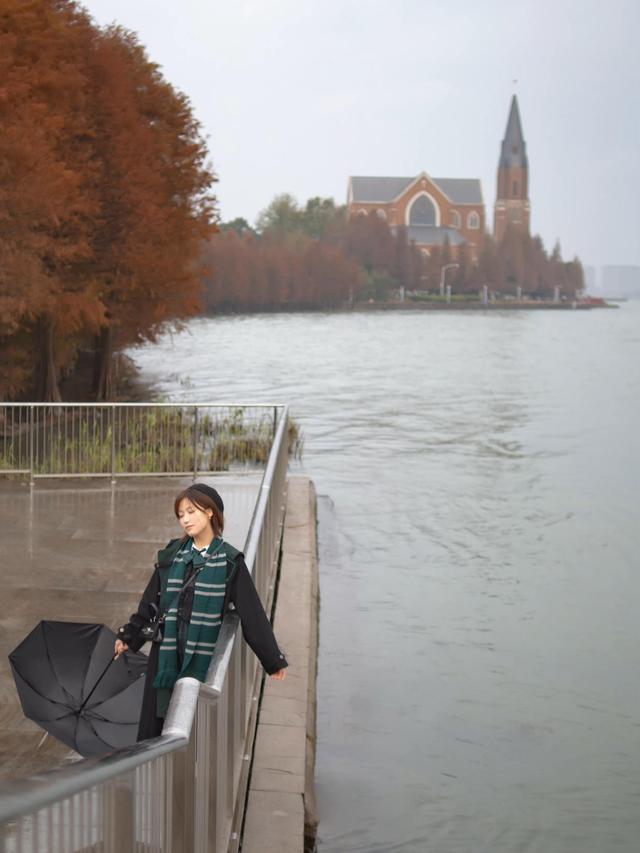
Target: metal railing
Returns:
[[132, 439], [184, 791]]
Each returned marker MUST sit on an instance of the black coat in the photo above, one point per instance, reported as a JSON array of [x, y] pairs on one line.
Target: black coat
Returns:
[[240, 595]]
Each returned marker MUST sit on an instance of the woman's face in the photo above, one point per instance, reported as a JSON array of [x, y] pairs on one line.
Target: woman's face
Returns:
[[193, 520]]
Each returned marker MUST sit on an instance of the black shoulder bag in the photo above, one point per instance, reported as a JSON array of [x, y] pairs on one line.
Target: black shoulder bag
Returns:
[[153, 631]]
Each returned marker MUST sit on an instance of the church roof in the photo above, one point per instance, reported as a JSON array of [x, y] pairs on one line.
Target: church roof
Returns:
[[373, 189], [378, 189], [461, 190], [514, 148]]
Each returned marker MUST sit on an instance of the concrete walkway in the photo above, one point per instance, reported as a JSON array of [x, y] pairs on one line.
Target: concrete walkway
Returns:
[[281, 801], [83, 551]]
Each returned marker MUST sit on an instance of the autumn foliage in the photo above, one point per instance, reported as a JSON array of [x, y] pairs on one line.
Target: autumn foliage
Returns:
[[249, 273], [317, 257], [105, 197], [308, 258]]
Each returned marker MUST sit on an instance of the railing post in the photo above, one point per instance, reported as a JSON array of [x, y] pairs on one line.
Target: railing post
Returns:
[[31, 443], [275, 422], [181, 799], [195, 442], [118, 815], [113, 444]]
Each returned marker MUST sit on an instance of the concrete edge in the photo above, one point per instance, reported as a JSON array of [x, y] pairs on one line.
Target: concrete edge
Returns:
[[311, 817], [281, 813]]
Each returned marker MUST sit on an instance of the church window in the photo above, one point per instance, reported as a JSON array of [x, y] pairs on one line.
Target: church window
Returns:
[[381, 213], [423, 211], [473, 220], [456, 222], [514, 188]]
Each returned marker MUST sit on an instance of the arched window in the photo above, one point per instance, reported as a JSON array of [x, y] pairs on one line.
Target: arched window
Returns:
[[514, 188], [362, 212], [473, 220], [456, 222], [423, 211], [381, 213]]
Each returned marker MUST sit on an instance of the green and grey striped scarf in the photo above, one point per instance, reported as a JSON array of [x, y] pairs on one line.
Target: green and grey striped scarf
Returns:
[[206, 616]]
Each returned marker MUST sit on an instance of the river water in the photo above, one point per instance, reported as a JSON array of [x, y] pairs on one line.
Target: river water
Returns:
[[478, 685]]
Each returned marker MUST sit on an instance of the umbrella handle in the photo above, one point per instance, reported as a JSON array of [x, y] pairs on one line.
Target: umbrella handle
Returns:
[[102, 675]]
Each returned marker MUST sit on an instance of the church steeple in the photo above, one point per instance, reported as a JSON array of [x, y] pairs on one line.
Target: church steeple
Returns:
[[514, 148], [512, 198]]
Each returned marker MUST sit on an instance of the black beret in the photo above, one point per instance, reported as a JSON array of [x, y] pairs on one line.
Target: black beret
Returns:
[[210, 493]]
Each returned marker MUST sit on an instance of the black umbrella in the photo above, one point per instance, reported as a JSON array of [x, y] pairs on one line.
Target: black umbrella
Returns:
[[71, 685]]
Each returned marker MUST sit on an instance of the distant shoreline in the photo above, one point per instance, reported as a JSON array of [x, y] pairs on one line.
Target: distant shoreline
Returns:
[[494, 305], [413, 305]]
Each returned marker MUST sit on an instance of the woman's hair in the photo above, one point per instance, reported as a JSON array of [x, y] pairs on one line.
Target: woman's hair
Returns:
[[203, 502]]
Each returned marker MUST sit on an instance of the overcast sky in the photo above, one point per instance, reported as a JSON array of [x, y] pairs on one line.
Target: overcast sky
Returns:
[[296, 95]]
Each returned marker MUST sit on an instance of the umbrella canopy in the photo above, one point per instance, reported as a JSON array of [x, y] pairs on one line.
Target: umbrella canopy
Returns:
[[70, 685]]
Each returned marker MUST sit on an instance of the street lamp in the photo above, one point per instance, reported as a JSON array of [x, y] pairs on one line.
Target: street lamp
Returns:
[[443, 272]]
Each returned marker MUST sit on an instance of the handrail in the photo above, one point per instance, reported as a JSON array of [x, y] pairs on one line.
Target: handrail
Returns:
[[265, 486], [27, 796], [232, 404]]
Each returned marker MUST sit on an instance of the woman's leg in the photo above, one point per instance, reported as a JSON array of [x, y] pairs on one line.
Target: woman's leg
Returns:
[[150, 723]]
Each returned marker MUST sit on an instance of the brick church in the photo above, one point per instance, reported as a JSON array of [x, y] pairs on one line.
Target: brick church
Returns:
[[434, 209]]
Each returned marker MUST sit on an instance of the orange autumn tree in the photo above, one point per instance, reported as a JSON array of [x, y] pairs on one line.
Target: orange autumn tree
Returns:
[[105, 196], [155, 201], [44, 208], [247, 273]]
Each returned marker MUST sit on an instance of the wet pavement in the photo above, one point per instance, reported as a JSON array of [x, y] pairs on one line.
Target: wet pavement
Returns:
[[83, 550]]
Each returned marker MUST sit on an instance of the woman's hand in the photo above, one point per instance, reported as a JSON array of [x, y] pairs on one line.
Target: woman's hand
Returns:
[[120, 647], [279, 675]]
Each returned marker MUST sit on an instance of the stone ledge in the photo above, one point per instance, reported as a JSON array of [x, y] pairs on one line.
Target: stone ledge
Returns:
[[282, 710], [281, 800], [273, 822], [278, 740]]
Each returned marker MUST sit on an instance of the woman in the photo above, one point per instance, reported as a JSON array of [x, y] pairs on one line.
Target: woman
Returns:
[[196, 578]]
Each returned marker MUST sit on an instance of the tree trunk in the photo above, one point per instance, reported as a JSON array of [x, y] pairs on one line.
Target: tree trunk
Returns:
[[103, 375], [47, 389]]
